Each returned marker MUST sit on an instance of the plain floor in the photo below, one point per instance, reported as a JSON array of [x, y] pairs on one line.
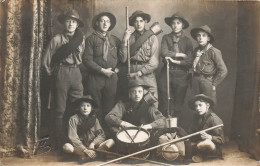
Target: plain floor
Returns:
[[232, 157]]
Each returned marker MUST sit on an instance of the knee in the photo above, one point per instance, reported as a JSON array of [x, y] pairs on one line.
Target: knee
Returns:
[[206, 145], [68, 148]]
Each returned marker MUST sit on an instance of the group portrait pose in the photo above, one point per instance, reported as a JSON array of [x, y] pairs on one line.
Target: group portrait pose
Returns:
[[105, 118]]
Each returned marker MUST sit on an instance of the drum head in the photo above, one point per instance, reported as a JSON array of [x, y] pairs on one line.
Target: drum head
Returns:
[[141, 136], [170, 152]]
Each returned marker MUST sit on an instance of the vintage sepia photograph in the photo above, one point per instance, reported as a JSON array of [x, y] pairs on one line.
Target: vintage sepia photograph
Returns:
[[129, 82]]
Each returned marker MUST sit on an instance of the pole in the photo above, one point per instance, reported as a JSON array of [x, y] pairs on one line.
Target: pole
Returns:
[[128, 46], [168, 88], [136, 158], [154, 147]]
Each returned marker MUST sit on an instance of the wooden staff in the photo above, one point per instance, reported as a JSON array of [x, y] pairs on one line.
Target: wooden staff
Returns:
[[136, 158], [170, 142], [128, 45]]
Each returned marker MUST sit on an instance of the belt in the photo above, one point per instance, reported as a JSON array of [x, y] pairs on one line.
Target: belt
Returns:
[[174, 67], [69, 65], [134, 62], [201, 75]]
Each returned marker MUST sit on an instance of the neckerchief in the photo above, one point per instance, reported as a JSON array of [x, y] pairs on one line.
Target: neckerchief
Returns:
[[106, 43], [66, 49], [200, 52], [175, 39], [86, 123]]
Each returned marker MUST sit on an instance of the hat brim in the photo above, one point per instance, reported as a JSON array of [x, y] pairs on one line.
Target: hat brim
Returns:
[[145, 16], [88, 100], [61, 18], [111, 17], [168, 21], [200, 97], [194, 32]]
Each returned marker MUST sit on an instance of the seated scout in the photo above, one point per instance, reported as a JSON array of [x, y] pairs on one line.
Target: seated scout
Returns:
[[134, 111], [85, 132], [206, 143]]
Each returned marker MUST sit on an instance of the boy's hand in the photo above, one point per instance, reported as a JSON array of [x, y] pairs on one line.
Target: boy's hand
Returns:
[[108, 72], [181, 55], [214, 88], [127, 35], [147, 127], [91, 153], [172, 60], [126, 124], [134, 75], [204, 136]]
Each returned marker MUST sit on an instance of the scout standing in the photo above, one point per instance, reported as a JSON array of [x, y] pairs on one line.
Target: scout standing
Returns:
[[208, 65], [207, 143], [177, 49], [84, 131], [144, 51], [61, 62], [101, 56]]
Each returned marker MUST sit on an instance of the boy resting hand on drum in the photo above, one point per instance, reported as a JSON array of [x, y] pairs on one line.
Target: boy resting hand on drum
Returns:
[[137, 110], [206, 143], [84, 131]]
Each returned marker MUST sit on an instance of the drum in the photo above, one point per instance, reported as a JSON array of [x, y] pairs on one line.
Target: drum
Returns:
[[126, 146]]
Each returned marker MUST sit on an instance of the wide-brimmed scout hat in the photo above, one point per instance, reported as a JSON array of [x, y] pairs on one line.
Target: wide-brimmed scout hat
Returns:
[[134, 83], [200, 97], [204, 28], [86, 98], [178, 15], [139, 13], [70, 14], [109, 15]]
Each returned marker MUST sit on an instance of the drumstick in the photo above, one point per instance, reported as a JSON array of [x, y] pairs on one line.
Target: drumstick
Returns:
[[128, 134], [137, 131]]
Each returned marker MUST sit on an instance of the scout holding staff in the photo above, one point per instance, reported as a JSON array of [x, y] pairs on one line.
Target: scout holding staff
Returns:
[[208, 66], [207, 143], [177, 49], [101, 56], [144, 51], [61, 62]]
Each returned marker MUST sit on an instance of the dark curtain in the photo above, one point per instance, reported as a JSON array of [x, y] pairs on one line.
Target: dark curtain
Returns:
[[23, 31], [246, 113]]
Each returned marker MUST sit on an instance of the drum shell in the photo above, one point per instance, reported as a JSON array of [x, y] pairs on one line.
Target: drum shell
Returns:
[[129, 148]]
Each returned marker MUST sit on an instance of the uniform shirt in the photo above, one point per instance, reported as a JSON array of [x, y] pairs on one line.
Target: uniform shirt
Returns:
[[94, 135], [209, 119], [93, 54], [153, 116], [55, 43], [185, 46], [212, 65], [148, 53]]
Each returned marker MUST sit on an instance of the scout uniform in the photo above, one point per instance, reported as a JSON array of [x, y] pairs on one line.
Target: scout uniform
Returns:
[[102, 88], [171, 45], [146, 57], [84, 130], [61, 61], [209, 68], [207, 120]]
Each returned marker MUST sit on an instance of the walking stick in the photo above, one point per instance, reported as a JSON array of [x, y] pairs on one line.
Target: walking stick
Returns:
[[136, 158], [128, 45], [172, 122], [154, 147]]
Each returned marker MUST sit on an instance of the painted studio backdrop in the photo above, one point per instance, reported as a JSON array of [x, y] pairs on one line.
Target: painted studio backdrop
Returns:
[[28, 25]]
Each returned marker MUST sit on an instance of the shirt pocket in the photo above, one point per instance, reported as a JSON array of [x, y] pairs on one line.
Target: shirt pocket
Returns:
[[98, 50], [113, 51], [208, 67]]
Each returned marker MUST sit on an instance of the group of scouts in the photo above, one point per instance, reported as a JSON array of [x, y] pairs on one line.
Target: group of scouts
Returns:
[[99, 114]]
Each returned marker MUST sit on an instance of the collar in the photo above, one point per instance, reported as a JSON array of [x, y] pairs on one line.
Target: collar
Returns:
[[178, 35], [101, 36], [207, 114], [205, 48], [137, 34]]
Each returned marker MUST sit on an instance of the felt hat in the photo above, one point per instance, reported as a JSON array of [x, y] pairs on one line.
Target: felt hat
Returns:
[[178, 15], [200, 97], [134, 83], [109, 15], [73, 14], [139, 13], [86, 98], [204, 28]]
